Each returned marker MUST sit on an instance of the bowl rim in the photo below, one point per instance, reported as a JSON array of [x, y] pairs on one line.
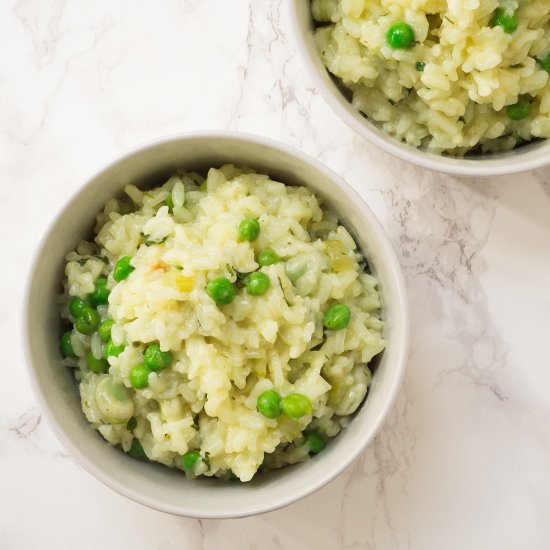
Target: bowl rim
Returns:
[[530, 159], [390, 259]]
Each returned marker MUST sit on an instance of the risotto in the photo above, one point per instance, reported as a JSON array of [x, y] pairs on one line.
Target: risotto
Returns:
[[220, 325], [448, 76]]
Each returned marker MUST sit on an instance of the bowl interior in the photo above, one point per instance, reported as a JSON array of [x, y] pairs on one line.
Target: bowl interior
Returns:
[[157, 486], [527, 157]]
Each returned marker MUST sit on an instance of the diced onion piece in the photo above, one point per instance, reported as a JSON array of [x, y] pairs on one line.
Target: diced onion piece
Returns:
[[338, 255], [184, 283]]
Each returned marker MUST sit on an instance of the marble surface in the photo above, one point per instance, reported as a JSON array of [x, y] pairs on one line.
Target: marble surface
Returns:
[[463, 459]]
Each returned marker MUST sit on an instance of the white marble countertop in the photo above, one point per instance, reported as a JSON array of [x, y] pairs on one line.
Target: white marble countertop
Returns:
[[463, 461]]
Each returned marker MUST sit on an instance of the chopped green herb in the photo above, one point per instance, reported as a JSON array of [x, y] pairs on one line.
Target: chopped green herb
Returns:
[[169, 202], [136, 450], [149, 242]]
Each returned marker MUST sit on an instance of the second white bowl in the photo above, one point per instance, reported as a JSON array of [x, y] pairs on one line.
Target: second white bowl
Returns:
[[528, 157]]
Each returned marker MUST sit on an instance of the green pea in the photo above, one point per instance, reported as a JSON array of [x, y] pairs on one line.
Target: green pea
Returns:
[[66, 346], [114, 401], [156, 359], [315, 442], [136, 450], [420, 66], [132, 424], [104, 330], [189, 460], [519, 111], [98, 366], [545, 63], [101, 293], [296, 405], [507, 20], [87, 321], [337, 317], [221, 290], [267, 257], [257, 283], [76, 306], [249, 229], [122, 269], [139, 376], [400, 36], [269, 403], [112, 350]]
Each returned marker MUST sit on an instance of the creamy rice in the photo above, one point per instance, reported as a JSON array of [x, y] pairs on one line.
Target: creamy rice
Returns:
[[449, 92], [223, 357]]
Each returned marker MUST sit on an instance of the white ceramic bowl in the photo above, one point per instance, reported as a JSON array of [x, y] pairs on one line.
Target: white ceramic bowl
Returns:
[[55, 388], [525, 158]]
